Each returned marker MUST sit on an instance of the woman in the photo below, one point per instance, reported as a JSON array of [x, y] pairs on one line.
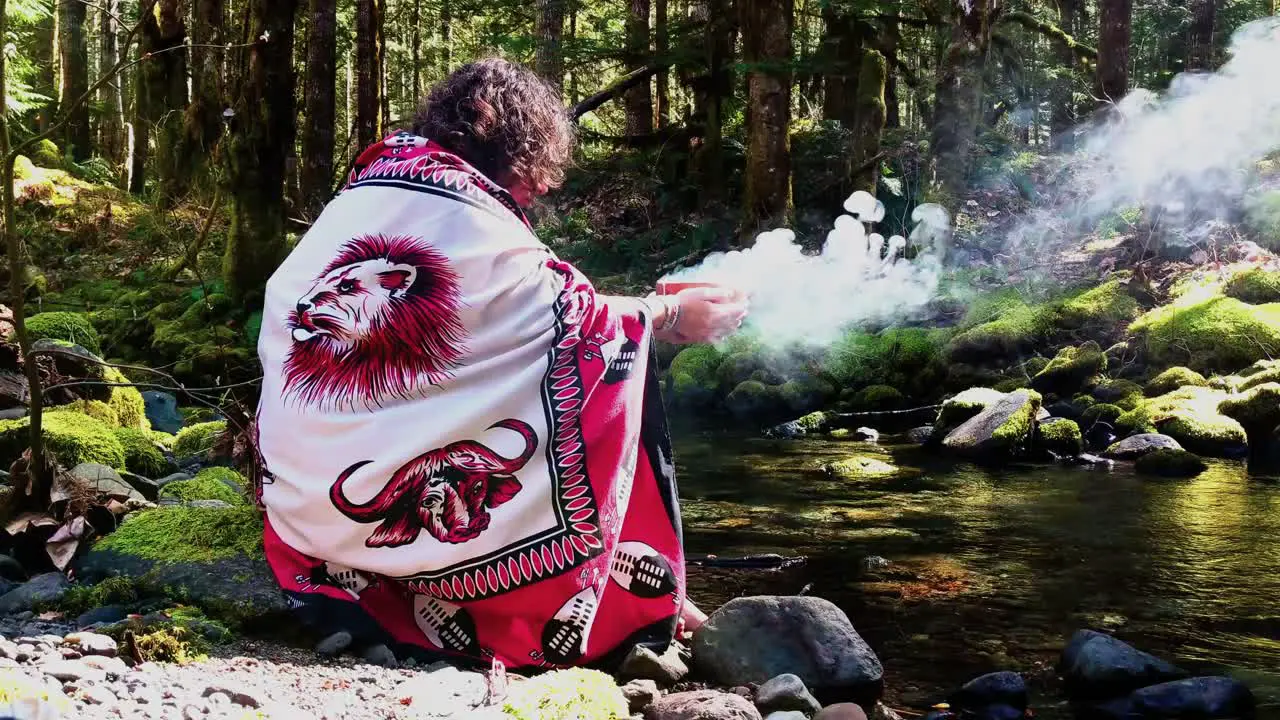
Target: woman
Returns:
[[465, 447]]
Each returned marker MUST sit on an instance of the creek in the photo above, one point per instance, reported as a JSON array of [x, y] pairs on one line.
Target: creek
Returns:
[[992, 568]]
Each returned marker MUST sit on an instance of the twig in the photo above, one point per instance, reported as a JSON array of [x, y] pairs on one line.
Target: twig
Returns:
[[870, 413], [623, 84]]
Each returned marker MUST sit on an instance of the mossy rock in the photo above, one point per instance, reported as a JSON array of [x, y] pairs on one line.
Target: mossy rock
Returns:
[[1255, 286], [962, 376], [198, 440], [1124, 394], [71, 327], [163, 439], [753, 401], [574, 693], [1009, 385], [72, 437], [1101, 313], [737, 368], [694, 374], [1257, 409], [1190, 416], [1017, 329], [860, 467], [875, 397], [814, 422], [805, 394], [46, 154], [1083, 401], [1070, 368], [1100, 412], [204, 486], [962, 406], [189, 534], [23, 168], [1060, 436], [96, 409], [908, 359], [126, 400], [1003, 428], [1032, 366], [81, 598], [1207, 332], [1172, 379], [1167, 462], [141, 454]]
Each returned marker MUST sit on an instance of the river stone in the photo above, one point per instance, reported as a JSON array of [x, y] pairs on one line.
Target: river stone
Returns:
[[786, 715], [1204, 698], [106, 481], [1135, 446], [149, 488], [1006, 689], [72, 671], [866, 434], [786, 692], [173, 478], [920, 435], [445, 692], [640, 694], [11, 569], [162, 411], [702, 705], [88, 643], [48, 587], [754, 639], [1095, 665], [1001, 428], [644, 664], [786, 431], [841, 711]]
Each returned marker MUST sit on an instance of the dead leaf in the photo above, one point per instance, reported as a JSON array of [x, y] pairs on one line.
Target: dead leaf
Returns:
[[49, 616], [28, 520], [64, 543]]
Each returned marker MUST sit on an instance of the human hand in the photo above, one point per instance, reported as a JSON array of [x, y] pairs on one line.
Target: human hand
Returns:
[[707, 315]]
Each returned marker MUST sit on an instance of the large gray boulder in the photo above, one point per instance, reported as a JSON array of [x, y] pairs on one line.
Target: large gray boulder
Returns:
[[702, 705], [1135, 446], [1098, 666], [755, 639], [1003, 428], [162, 411], [105, 481]]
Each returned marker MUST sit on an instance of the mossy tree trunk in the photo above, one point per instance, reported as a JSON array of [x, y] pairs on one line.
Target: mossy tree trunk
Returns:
[[1062, 111], [549, 57], [958, 110], [73, 54], [322, 78], [841, 53], [46, 80], [711, 90], [638, 101], [1200, 53], [160, 103], [869, 121], [203, 123], [369, 98], [262, 136], [661, 46], [766, 49], [1115, 30], [111, 95]]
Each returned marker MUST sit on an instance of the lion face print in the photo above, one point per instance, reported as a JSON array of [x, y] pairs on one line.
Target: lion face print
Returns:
[[378, 325]]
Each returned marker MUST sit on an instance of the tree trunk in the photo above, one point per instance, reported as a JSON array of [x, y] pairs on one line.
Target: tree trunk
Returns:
[[322, 80], [110, 95], [842, 53], [892, 39], [45, 61], [1115, 28], [417, 53], [711, 90], [638, 101], [1062, 111], [73, 54], [383, 89], [959, 94], [160, 101], [369, 128], [208, 97], [574, 94], [446, 39], [262, 136], [1200, 54], [766, 50], [549, 60], [662, 80], [870, 114]]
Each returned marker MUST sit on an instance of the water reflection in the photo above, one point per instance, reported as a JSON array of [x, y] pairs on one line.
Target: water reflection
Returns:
[[992, 568]]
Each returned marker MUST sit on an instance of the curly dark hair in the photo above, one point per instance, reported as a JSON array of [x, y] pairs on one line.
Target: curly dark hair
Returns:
[[503, 119]]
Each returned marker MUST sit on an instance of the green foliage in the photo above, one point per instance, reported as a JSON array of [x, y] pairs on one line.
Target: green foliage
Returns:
[[80, 599], [1122, 221], [1262, 214], [141, 456], [178, 534], [1060, 436], [72, 437], [204, 486], [574, 693], [69, 326], [1190, 416], [1207, 332], [1167, 462], [1070, 368], [1172, 379], [176, 644], [163, 439], [195, 440], [1255, 286], [806, 393]]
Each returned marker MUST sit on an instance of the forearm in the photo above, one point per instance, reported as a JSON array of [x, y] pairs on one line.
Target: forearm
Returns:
[[659, 310]]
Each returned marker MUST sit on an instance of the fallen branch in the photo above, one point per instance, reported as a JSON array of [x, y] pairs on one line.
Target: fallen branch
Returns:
[[1048, 29], [646, 140], [623, 84]]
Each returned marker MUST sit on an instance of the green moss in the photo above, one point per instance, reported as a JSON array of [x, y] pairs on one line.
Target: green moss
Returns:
[[199, 439], [1172, 379], [1100, 412], [1083, 401], [1015, 430], [1257, 409], [1008, 386], [1060, 436], [204, 486], [23, 168], [72, 437], [1167, 462], [908, 359], [96, 409], [753, 399], [46, 154], [189, 534], [80, 599], [176, 644], [1100, 312], [814, 422], [857, 467], [1032, 366], [694, 373], [126, 400], [1206, 332], [1124, 394], [965, 405], [1190, 416], [141, 455], [163, 439], [805, 394], [69, 326], [196, 414], [1070, 368], [1015, 328], [575, 693], [1255, 286], [875, 397]]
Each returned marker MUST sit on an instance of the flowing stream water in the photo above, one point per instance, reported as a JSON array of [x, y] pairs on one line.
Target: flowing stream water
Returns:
[[992, 568]]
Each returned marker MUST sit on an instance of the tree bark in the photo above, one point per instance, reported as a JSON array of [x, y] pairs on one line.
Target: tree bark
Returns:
[[549, 58], [262, 137], [322, 80], [46, 81], [1200, 52], [208, 96], [369, 127], [111, 95], [638, 101], [160, 101], [869, 122], [1114, 33], [574, 93], [662, 80], [446, 39], [73, 53], [766, 49], [1062, 111], [959, 94], [842, 53], [716, 19], [417, 92], [892, 38]]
